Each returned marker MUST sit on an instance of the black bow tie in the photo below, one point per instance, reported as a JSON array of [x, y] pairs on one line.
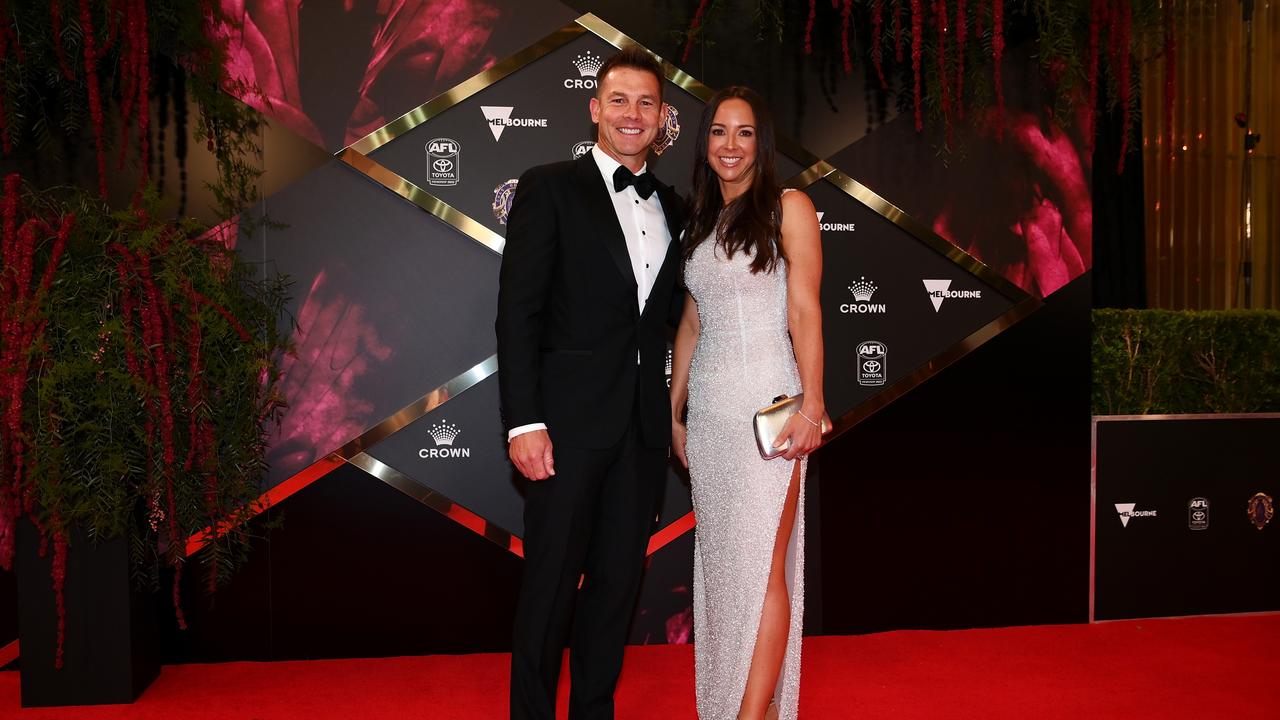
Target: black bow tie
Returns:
[[644, 183]]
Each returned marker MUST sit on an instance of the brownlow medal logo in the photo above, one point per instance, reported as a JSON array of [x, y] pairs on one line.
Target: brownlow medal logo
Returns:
[[1261, 510]]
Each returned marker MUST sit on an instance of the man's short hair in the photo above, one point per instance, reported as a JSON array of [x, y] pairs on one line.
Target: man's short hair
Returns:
[[634, 57]]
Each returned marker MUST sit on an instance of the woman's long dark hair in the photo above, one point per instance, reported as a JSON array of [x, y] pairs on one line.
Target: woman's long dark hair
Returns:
[[751, 223]]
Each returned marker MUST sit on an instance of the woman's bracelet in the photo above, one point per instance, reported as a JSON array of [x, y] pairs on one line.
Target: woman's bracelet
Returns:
[[811, 422]]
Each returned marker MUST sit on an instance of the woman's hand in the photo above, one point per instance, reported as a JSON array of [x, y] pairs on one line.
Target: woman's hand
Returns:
[[679, 437], [805, 437]]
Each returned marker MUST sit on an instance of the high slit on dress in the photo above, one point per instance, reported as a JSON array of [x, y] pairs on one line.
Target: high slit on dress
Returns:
[[742, 361]]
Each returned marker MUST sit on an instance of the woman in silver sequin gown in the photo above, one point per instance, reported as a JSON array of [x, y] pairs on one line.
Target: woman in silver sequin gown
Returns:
[[751, 331]]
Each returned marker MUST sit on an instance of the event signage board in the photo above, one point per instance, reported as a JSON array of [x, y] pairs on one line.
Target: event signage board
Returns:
[[1180, 521], [532, 117], [460, 448], [459, 152], [900, 303]]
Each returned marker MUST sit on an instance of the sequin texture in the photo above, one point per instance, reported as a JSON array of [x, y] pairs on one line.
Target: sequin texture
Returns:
[[743, 360]]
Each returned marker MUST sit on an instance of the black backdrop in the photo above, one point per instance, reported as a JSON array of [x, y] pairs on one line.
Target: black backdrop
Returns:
[[963, 504], [966, 503]]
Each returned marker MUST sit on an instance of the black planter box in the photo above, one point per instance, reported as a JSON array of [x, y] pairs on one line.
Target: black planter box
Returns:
[[111, 650]]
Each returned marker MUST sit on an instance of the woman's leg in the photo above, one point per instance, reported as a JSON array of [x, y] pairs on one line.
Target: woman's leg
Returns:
[[775, 618]]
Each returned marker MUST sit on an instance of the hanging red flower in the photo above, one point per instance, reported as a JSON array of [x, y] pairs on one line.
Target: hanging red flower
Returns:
[[897, 32], [917, 52], [1097, 17], [846, 13], [693, 30], [22, 328], [808, 27], [135, 79], [877, 41], [944, 81], [55, 20], [95, 98]]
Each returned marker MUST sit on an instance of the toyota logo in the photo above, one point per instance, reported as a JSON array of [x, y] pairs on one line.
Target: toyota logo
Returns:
[[442, 165], [871, 366]]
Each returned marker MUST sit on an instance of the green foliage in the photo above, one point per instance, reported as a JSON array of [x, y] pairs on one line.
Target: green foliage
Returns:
[[44, 83], [1165, 362], [96, 459]]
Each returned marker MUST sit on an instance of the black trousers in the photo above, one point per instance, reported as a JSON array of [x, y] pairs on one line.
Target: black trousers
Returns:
[[591, 520]]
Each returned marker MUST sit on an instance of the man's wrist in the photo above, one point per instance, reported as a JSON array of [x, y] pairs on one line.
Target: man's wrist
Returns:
[[522, 429]]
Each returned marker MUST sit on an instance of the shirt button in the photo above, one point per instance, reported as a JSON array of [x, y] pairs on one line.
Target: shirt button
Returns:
[[646, 265], [642, 232], [637, 202]]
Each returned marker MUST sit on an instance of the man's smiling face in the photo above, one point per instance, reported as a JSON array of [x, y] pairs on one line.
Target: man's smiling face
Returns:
[[627, 109]]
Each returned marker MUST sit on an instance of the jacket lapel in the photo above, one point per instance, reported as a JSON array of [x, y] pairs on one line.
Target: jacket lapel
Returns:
[[603, 218]]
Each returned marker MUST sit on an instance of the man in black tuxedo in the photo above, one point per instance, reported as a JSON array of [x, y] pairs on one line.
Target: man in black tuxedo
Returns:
[[586, 292]]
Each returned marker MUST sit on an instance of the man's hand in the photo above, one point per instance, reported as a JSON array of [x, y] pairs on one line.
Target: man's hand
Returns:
[[531, 453]]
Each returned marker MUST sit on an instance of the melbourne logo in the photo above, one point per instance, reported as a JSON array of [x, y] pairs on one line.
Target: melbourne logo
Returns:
[[1127, 512], [939, 290], [833, 227], [871, 363], [587, 66], [499, 119], [582, 148], [444, 434], [862, 290], [443, 157]]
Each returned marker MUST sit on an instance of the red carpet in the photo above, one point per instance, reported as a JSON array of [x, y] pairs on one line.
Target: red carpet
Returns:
[[1203, 668]]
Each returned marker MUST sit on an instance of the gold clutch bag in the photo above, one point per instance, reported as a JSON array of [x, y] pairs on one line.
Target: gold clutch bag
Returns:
[[769, 421]]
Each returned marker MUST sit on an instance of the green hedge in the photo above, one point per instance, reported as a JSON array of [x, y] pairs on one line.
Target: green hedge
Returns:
[[1160, 361]]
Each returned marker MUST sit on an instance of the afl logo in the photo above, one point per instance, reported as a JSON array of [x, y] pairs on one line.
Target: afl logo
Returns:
[[871, 363], [443, 155], [582, 148], [1198, 514]]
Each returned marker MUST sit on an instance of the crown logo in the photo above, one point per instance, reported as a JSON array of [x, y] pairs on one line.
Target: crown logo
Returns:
[[862, 290], [444, 432], [588, 65]]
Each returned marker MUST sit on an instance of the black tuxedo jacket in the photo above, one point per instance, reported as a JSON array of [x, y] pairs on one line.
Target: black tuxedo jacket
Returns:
[[569, 325]]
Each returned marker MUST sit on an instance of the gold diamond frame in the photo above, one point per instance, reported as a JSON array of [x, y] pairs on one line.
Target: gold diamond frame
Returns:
[[357, 154], [357, 157], [1023, 303]]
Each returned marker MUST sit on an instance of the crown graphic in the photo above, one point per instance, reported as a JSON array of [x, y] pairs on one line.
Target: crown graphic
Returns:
[[862, 290], [588, 65], [444, 432]]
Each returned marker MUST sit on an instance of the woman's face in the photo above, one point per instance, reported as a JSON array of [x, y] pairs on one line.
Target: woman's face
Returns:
[[731, 148]]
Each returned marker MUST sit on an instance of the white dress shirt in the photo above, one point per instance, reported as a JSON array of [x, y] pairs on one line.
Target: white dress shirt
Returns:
[[645, 228]]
